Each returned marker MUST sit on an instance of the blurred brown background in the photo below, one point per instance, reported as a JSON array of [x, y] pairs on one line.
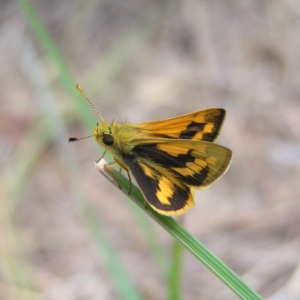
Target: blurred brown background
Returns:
[[139, 61]]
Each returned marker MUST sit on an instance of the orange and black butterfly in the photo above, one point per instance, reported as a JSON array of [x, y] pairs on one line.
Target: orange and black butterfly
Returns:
[[168, 158]]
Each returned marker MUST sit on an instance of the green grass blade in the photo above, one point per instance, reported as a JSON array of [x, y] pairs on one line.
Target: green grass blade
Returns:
[[223, 272], [45, 40], [155, 247], [119, 275], [174, 290], [127, 291]]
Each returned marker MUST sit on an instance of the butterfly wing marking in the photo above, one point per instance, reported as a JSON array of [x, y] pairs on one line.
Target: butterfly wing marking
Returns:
[[195, 163], [202, 125], [166, 170], [163, 192]]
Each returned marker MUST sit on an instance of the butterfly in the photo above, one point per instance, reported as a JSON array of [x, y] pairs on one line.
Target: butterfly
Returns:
[[170, 158]]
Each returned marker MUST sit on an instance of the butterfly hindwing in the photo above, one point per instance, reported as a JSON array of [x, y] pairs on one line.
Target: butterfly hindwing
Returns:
[[163, 193], [166, 170], [202, 125], [195, 163]]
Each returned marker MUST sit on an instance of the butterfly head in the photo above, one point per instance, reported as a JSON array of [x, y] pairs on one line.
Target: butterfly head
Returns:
[[103, 135]]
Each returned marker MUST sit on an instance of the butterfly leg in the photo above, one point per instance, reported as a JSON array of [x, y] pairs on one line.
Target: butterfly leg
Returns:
[[145, 204], [122, 166], [108, 170], [111, 173], [100, 157], [127, 170]]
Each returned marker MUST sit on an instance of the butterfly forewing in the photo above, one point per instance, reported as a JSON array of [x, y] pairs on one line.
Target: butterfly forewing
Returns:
[[202, 125]]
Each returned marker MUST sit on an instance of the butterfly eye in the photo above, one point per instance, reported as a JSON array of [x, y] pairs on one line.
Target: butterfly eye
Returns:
[[108, 139]]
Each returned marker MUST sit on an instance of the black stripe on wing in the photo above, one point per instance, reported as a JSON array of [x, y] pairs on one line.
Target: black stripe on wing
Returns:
[[151, 153], [193, 128], [207, 130], [161, 192]]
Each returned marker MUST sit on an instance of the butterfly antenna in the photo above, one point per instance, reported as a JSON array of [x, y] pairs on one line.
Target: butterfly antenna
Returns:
[[79, 88], [74, 139]]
